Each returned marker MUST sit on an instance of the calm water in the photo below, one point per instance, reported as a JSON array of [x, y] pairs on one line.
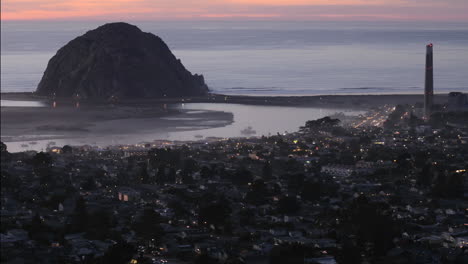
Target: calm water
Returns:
[[264, 120], [17, 103], [268, 58]]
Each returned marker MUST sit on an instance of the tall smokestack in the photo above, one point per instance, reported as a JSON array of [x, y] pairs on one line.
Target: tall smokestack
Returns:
[[429, 83]]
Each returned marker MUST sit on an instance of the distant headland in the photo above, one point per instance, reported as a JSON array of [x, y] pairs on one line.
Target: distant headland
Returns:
[[118, 60]]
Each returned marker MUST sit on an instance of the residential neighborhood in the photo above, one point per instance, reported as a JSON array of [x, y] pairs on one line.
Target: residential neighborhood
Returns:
[[333, 192]]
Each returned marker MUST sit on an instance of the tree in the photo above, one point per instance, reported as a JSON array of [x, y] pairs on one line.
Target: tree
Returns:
[[215, 213], [288, 205], [414, 120], [295, 181], [144, 176], [189, 167], [3, 147], [37, 226], [42, 159], [350, 253], [171, 176], [205, 259], [257, 193], [311, 191], [164, 156], [373, 224], [448, 185], [325, 123], [67, 149], [287, 253], [41, 165], [425, 176], [161, 175], [99, 224], [455, 185], [148, 225], [9, 181], [247, 217], [120, 253], [55, 199], [89, 184], [206, 172], [80, 216], [5, 155], [267, 171], [242, 176], [179, 208]]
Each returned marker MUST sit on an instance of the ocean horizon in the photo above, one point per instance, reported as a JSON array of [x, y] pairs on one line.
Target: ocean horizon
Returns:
[[270, 58]]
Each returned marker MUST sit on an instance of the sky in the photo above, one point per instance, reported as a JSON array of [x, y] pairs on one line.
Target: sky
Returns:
[[348, 10]]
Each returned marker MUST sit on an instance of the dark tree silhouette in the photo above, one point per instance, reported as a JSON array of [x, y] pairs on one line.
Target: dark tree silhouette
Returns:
[[120, 253], [267, 171], [144, 176], [350, 253], [99, 224], [287, 253], [242, 177], [67, 149], [373, 224], [288, 205], [148, 225], [3, 147], [216, 213], [205, 259], [206, 172], [258, 192], [325, 123], [80, 216], [42, 159]]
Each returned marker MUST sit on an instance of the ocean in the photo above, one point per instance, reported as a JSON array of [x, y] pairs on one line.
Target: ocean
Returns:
[[270, 58]]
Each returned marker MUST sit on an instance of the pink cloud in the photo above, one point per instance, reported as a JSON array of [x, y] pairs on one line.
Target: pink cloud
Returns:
[[449, 10]]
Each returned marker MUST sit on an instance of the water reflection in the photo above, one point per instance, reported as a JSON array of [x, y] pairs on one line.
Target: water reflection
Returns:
[[15, 103], [263, 120]]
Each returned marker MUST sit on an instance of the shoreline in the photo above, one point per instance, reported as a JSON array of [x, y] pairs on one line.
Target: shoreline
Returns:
[[355, 101]]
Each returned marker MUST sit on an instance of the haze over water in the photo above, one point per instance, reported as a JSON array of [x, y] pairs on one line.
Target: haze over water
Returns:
[[270, 58]]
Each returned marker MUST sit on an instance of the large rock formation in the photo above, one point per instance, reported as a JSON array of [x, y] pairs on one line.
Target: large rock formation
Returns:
[[118, 60]]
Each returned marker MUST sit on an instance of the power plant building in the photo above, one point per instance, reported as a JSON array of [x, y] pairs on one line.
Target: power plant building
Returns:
[[457, 101]]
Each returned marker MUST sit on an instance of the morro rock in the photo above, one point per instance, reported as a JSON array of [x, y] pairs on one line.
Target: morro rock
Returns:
[[118, 60]]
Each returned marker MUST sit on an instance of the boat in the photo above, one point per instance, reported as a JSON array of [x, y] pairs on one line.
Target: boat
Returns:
[[248, 131], [199, 136], [24, 145]]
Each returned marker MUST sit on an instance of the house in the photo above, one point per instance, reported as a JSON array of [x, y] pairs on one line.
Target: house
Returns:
[[128, 194]]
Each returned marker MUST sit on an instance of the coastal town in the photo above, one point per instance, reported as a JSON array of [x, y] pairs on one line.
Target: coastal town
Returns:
[[386, 187]]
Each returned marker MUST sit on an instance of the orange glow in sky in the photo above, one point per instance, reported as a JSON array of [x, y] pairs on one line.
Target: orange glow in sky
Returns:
[[432, 10]]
